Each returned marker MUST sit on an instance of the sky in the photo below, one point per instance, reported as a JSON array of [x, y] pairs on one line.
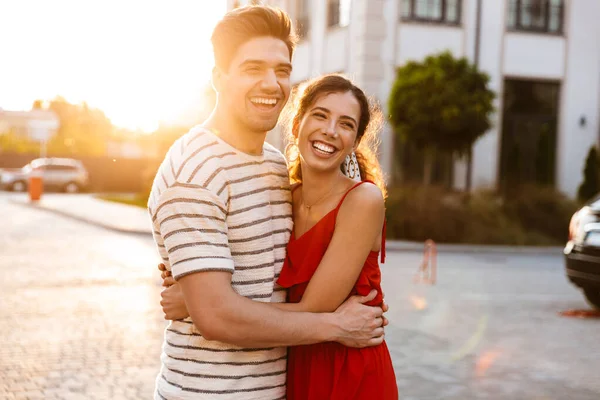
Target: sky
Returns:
[[142, 62]]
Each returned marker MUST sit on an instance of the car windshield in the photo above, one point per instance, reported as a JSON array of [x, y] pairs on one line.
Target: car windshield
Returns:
[[26, 168]]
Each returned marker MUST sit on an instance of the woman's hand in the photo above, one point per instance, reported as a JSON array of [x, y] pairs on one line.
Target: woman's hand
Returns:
[[166, 275], [172, 301]]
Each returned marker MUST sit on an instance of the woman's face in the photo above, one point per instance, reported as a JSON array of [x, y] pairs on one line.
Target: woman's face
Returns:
[[327, 131]]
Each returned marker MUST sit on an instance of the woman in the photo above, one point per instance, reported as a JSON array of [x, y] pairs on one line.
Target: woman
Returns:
[[338, 236]]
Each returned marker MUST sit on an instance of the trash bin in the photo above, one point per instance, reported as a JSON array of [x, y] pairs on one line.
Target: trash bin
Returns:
[[36, 186]]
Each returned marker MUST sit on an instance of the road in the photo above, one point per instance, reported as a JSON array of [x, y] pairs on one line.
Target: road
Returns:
[[79, 319]]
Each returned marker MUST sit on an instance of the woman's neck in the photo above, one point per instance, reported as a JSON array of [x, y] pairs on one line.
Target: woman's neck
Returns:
[[317, 186]]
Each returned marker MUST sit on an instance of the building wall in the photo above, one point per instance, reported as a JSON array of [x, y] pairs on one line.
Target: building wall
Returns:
[[376, 42]]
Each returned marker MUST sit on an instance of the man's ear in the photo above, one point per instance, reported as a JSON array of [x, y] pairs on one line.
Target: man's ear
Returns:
[[217, 79]]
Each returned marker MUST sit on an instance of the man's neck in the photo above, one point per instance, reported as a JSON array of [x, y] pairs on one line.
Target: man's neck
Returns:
[[238, 137]]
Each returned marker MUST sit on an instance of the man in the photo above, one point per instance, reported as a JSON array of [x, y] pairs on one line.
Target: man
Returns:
[[221, 212]]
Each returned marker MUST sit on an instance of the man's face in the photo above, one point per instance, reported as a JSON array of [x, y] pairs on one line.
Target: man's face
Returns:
[[257, 84]]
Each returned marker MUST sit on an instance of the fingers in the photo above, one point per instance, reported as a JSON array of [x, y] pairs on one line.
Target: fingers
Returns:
[[385, 321], [377, 322], [165, 274], [376, 341], [168, 281], [367, 298], [385, 307], [162, 267]]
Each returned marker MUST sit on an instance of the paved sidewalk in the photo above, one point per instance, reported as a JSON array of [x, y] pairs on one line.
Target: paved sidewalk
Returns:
[[88, 208], [135, 220]]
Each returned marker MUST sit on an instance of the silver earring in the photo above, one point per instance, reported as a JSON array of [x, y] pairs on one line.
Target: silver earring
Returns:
[[351, 169]]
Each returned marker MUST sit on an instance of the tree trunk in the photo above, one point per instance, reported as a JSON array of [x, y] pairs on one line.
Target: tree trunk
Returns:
[[469, 177], [428, 167]]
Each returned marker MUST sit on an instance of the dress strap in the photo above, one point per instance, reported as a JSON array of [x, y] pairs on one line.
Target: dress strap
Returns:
[[346, 194]]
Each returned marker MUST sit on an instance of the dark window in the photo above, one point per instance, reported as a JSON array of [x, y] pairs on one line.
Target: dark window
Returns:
[[536, 15], [530, 119], [59, 167], [438, 11], [338, 13], [302, 18]]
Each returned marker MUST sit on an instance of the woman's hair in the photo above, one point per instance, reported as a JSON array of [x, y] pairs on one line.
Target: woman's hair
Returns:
[[369, 125], [245, 23]]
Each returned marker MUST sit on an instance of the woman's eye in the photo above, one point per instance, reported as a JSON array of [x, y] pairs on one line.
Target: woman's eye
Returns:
[[319, 115], [348, 125]]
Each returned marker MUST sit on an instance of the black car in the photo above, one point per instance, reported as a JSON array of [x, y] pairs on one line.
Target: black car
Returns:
[[582, 251]]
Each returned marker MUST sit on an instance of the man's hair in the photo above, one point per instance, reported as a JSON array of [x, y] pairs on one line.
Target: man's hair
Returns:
[[245, 23]]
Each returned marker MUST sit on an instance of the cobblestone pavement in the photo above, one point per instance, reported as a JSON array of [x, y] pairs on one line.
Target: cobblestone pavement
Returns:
[[79, 319], [79, 314], [490, 329]]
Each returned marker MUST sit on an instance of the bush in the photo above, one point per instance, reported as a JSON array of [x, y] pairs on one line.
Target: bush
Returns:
[[541, 210], [535, 216], [591, 181]]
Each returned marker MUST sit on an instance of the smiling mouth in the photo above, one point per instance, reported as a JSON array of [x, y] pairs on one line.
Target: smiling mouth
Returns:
[[323, 148], [264, 103]]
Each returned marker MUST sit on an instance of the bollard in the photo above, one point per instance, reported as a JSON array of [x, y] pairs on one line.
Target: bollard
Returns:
[[36, 186], [427, 272]]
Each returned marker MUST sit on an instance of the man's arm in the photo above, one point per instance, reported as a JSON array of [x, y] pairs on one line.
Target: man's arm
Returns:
[[191, 222], [221, 314]]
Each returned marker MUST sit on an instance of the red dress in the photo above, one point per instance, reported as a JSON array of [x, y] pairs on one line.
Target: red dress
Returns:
[[331, 370]]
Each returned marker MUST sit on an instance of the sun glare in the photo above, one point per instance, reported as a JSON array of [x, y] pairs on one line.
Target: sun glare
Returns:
[[141, 62]]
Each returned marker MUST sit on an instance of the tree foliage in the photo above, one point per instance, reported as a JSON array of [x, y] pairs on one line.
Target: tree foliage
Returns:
[[442, 104], [591, 179]]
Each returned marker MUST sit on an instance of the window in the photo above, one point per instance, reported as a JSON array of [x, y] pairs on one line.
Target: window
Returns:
[[439, 11], [536, 15], [302, 18], [338, 13]]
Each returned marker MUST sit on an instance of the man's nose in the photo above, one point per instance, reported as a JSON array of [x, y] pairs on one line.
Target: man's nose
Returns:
[[269, 81]]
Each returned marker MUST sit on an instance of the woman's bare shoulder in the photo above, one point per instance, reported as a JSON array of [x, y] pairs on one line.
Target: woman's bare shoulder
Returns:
[[368, 196]]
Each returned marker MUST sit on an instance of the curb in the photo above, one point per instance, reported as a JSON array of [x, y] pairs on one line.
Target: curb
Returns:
[[79, 218], [401, 245], [394, 246]]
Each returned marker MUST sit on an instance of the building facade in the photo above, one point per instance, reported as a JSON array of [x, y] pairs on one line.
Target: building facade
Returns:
[[36, 125], [541, 55]]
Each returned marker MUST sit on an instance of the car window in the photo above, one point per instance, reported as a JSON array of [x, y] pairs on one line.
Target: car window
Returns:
[[61, 168]]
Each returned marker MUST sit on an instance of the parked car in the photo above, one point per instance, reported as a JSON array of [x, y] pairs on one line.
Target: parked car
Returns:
[[582, 252], [64, 174]]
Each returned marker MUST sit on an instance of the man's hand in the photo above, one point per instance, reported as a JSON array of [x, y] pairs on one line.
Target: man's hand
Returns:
[[362, 326], [173, 303]]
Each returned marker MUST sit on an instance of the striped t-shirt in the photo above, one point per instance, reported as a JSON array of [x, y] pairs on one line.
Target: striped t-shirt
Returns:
[[215, 208]]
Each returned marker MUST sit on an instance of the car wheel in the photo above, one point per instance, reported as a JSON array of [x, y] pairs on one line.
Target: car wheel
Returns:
[[593, 297], [71, 187], [19, 186]]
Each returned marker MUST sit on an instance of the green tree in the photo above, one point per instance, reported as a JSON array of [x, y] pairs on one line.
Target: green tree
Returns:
[[441, 105], [11, 142], [591, 179]]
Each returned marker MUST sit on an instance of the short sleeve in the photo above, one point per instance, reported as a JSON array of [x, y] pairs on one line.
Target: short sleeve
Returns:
[[193, 228]]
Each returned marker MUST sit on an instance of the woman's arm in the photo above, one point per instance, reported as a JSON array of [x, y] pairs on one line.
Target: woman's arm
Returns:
[[358, 226]]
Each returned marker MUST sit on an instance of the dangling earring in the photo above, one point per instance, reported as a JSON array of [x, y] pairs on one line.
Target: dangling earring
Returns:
[[351, 169]]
